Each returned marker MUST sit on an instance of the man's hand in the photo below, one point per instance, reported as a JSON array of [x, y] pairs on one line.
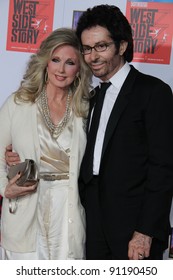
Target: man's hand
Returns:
[[139, 246], [11, 157]]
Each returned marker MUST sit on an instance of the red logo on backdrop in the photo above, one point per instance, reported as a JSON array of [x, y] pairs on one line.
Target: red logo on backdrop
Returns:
[[152, 28], [29, 23]]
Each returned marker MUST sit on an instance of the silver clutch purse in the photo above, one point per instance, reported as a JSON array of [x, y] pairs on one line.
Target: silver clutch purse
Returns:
[[28, 170]]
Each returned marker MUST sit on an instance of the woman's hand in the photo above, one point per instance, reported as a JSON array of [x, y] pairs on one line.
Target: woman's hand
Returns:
[[11, 157], [13, 190]]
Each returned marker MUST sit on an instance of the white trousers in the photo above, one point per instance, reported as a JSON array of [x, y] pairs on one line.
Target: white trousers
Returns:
[[52, 238]]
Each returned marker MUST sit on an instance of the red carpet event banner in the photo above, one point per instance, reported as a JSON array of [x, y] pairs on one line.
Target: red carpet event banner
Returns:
[[29, 23], [171, 245], [152, 28]]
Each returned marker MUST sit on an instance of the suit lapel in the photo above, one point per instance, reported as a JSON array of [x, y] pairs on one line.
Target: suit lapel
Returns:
[[119, 106]]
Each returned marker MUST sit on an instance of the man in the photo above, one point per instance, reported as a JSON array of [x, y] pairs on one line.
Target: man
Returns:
[[126, 179]]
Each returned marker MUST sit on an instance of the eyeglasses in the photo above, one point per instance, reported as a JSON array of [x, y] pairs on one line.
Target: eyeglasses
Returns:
[[101, 47]]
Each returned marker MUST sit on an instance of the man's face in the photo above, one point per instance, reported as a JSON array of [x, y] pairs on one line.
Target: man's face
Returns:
[[106, 63]]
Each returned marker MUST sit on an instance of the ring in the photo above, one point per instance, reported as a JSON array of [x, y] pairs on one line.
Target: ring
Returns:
[[141, 256]]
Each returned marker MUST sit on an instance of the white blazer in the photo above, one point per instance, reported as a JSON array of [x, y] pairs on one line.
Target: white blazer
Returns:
[[18, 125]]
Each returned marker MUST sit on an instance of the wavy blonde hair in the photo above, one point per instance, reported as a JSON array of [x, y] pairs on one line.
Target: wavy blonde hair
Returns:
[[33, 80]]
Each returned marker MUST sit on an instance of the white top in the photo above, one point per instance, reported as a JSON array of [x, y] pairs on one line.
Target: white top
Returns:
[[19, 126], [111, 95]]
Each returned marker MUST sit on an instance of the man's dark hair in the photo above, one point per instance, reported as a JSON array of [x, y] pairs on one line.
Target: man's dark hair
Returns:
[[111, 18]]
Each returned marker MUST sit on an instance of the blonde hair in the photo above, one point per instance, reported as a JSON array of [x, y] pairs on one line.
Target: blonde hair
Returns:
[[33, 80]]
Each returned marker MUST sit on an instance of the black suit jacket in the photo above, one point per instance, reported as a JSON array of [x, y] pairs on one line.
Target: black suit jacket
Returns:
[[136, 171]]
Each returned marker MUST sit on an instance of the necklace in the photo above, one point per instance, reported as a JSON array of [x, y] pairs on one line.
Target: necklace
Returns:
[[55, 130]]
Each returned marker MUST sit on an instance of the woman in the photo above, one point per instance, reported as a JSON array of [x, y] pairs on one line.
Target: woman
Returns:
[[44, 120]]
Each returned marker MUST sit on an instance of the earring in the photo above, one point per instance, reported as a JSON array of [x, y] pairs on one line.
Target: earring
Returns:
[[77, 80], [46, 77]]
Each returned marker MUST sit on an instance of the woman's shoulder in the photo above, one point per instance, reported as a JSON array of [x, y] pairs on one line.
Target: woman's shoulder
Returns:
[[9, 101], [11, 105]]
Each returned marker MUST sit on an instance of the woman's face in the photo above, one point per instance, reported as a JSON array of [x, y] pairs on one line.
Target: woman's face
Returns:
[[63, 66]]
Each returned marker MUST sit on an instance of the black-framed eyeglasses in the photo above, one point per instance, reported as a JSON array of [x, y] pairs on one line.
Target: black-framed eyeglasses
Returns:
[[101, 47]]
